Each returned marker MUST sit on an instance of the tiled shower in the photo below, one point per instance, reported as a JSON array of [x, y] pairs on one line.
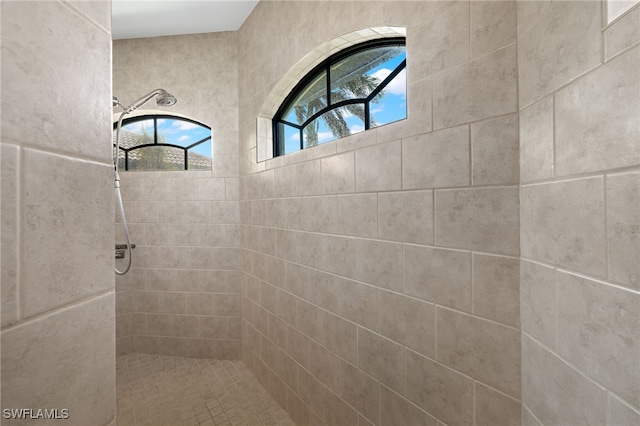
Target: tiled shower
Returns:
[[474, 264]]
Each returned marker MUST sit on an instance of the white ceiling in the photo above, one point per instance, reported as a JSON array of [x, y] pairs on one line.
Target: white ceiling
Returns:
[[151, 18]]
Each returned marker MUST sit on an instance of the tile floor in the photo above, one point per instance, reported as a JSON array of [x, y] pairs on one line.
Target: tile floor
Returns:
[[157, 390]]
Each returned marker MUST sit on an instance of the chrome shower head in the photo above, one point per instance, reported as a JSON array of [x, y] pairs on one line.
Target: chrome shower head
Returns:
[[164, 99]]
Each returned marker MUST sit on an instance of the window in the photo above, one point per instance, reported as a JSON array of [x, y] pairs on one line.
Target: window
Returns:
[[163, 142], [356, 89]]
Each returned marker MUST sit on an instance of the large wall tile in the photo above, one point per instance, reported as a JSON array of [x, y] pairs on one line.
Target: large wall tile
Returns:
[[538, 302], [561, 46], [68, 203], [408, 321], [379, 263], [621, 414], [623, 228], [312, 391], [494, 150], [536, 141], [449, 42], [493, 25], [478, 219], [307, 178], [379, 168], [617, 8], [496, 288], [438, 275], [359, 390], [338, 412], [406, 216], [10, 205], [528, 419], [358, 215], [359, 303], [493, 408], [550, 389], [529, 12], [481, 349], [419, 105], [592, 132], [64, 360], [438, 159], [59, 44], [339, 254], [397, 411], [340, 336], [98, 11], [481, 88], [338, 174], [439, 390], [622, 34], [381, 358], [598, 325], [563, 224]]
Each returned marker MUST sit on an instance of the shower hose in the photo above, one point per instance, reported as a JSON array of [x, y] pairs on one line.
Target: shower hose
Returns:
[[119, 199]]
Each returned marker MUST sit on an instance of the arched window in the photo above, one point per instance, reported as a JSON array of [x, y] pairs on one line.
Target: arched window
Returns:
[[358, 88], [163, 142]]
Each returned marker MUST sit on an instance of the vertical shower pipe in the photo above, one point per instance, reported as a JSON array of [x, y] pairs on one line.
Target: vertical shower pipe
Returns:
[[164, 99]]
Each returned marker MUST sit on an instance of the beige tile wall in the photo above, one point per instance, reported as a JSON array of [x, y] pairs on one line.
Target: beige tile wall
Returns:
[[182, 296], [381, 271], [579, 220], [57, 292], [385, 276]]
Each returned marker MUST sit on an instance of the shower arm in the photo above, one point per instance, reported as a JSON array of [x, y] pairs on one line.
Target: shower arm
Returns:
[[143, 100]]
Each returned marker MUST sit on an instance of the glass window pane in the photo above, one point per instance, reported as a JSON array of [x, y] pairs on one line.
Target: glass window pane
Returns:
[[334, 124], [356, 76], [200, 157], [391, 103], [180, 132], [134, 134], [290, 139], [156, 158], [311, 99]]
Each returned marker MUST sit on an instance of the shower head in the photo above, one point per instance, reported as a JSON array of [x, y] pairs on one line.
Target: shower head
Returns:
[[164, 99]]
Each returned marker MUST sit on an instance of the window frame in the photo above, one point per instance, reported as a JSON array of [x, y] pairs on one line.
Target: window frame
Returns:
[[155, 118], [325, 67]]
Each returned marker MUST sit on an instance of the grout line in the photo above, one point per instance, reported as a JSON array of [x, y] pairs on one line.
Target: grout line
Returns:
[[603, 21], [435, 329], [81, 14], [58, 309], [473, 296], [473, 402], [553, 128], [470, 147], [607, 258], [555, 302], [469, 28], [20, 193], [434, 221]]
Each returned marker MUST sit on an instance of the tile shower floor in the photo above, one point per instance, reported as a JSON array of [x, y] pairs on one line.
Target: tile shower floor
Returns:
[[157, 390]]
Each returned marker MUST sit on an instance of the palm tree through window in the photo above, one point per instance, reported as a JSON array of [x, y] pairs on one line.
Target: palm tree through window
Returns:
[[359, 88]]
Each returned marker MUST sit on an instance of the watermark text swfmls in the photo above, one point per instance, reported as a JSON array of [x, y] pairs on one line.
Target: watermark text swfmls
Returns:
[[36, 413]]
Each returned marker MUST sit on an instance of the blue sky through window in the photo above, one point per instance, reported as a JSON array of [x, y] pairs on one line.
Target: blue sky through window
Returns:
[[184, 133]]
